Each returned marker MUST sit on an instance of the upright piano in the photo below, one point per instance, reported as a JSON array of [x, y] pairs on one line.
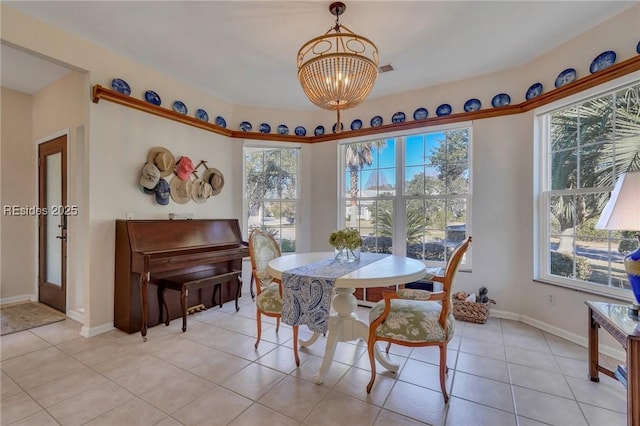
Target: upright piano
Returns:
[[148, 251]]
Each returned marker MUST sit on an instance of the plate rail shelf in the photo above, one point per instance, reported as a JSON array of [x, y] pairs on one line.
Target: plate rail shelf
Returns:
[[617, 70]]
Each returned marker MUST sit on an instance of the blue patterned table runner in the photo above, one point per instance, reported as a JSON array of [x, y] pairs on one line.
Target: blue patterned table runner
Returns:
[[307, 290]]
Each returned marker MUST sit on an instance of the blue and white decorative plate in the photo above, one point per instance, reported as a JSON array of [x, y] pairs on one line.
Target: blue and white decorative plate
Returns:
[[283, 130], [602, 61], [220, 121], [356, 124], [264, 128], [333, 129], [300, 131], [565, 77], [245, 126], [500, 100], [444, 109], [179, 107], [533, 91], [152, 97], [420, 114], [638, 48], [319, 131], [398, 117], [376, 121], [120, 86], [472, 105], [202, 115]]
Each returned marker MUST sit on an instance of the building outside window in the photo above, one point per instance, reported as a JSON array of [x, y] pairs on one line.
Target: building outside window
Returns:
[[409, 195], [271, 192], [586, 143]]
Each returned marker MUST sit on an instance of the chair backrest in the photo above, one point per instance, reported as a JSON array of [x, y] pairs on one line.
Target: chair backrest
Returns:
[[262, 249], [450, 274]]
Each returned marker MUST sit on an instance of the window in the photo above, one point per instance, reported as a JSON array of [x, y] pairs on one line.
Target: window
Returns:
[[409, 195], [586, 144], [271, 192]]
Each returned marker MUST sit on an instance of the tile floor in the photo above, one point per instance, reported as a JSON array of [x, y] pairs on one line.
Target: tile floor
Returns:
[[501, 373]]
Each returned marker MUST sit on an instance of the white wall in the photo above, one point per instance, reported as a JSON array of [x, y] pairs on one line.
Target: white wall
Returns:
[[118, 139]]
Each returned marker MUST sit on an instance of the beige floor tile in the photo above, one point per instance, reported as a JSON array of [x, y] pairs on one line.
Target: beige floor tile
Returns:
[[59, 332], [37, 368], [600, 394], [89, 404], [354, 383], [260, 415], [142, 378], [483, 391], [310, 368], [466, 413], [339, 409], [562, 347], [388, 418], [253, 381], [41, 418], [66, 387], [517, 327], [597, 416], [246, 349], [219, 367], [425, 375], [485, 334], [547, 408], [9, 387], [176, 391], [16, 344], [295, 398], [532, 358], [105, 352], [134, 413], [17, 407], [486, 349], [418, 403], [483, 367], [527, 342], [217, 406], [540, 380], [431, 354], [524, 421], [281, 359]]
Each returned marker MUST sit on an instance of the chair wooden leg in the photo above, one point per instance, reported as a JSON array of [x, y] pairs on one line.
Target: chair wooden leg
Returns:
[[277, 324], [372, 361], [295, 345], [253, 295], [388, 347], [443, 370], [259, 324]]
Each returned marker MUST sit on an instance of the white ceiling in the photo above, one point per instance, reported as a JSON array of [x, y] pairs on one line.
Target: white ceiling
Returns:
[[244, 52]]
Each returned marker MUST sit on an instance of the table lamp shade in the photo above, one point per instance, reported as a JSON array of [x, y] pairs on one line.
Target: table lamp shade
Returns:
[[622, 212]]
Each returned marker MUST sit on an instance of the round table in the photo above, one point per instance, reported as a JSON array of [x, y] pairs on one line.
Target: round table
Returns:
[[344, 324]]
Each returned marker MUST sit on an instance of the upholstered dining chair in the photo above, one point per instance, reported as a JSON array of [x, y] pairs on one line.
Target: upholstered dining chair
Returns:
[[262, 249], [410, 317]]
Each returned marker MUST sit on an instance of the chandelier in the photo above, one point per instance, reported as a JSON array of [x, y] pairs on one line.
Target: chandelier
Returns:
[[337, 70]]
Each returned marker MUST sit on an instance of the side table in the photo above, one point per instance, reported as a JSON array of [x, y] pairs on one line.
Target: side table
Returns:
[[614, 319]]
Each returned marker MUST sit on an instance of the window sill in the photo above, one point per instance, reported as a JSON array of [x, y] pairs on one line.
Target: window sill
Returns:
[[609, 293]]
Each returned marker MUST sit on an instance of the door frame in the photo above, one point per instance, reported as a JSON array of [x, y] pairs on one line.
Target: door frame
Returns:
[[67, 134]]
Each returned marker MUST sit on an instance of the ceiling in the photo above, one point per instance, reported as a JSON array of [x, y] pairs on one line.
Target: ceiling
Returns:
[[244, 52]]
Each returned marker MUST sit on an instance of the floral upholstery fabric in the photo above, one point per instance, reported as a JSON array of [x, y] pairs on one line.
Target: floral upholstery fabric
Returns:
[[269, 300], [412, 321], [413, 294], [263, 252]]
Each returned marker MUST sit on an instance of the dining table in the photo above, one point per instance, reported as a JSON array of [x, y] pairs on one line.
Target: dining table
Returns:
[[318, 291]]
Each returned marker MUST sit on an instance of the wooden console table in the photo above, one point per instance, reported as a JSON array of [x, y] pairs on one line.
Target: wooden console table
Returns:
[[614, 319]]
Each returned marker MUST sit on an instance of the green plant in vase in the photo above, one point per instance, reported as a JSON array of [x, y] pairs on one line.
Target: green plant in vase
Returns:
[[347, 243]]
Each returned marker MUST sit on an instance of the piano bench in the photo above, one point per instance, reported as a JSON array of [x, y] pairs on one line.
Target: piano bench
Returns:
[[194, 281]]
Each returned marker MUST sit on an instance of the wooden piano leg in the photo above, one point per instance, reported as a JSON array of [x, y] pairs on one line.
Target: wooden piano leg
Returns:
[[183, 304], [164, 306], [144, 288], [238, 293]]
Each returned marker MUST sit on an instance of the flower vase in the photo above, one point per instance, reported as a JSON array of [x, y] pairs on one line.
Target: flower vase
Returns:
[[347, 255]]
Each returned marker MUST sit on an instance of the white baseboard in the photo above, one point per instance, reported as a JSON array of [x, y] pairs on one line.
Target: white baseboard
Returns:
[[94, 331], [76, 315], [556, 331], [18, 299]]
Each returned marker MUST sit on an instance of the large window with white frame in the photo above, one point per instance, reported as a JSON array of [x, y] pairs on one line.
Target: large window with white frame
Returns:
[[271, 191], [586, 143], [409, 195]]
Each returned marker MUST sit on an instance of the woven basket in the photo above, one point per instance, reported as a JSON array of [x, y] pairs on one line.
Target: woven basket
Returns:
[[471, 311]]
